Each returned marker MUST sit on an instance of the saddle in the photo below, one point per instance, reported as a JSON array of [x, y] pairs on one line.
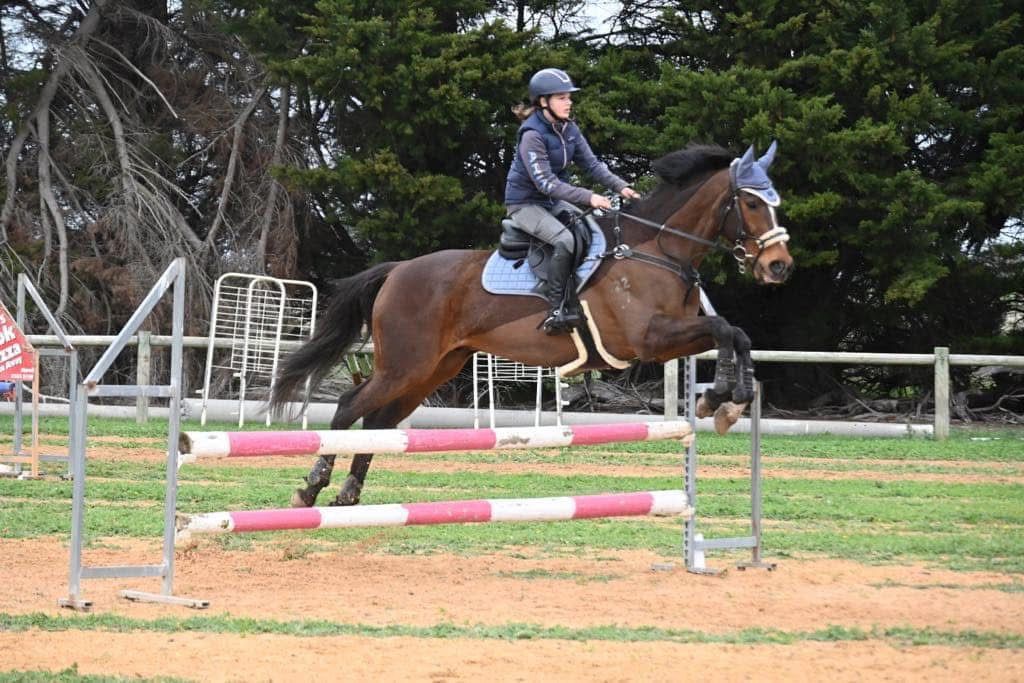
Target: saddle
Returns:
[[522, 247], [504, 274]]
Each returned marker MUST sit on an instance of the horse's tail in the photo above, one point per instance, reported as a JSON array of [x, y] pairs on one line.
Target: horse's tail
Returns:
[[351, 307]]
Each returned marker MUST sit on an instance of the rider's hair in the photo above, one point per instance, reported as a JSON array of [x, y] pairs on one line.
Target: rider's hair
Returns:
[[523, 111]]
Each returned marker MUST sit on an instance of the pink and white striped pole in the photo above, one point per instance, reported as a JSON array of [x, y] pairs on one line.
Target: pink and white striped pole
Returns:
[[194, 445], [647, 503]]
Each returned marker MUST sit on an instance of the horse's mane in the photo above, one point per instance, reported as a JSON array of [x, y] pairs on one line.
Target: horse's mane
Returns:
[[681, 169], [694, 160]]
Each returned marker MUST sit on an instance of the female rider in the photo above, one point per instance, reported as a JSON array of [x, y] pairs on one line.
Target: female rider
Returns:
[[538, 187]]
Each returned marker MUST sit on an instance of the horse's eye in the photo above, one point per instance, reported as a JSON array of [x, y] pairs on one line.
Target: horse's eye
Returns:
[[752, 203]]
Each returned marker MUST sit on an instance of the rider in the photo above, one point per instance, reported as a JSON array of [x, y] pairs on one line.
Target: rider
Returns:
[[538, 187]]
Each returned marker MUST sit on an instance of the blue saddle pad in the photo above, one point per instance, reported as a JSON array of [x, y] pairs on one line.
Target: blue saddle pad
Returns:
[[501, 276]]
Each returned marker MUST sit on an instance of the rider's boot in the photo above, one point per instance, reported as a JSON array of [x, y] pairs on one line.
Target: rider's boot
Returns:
[[561, 295]]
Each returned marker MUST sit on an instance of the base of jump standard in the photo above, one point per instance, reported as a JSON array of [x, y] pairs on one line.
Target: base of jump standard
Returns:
[[646, 503]]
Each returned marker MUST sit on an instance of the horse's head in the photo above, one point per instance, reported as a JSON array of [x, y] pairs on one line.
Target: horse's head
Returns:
[[750, 223], [708, 199]]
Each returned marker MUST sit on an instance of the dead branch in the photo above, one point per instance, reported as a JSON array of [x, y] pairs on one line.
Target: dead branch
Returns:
[[275, 160], [238, 128], [99, 90]]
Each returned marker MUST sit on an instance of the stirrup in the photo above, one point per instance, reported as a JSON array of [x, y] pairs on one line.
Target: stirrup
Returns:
[[559, 322]]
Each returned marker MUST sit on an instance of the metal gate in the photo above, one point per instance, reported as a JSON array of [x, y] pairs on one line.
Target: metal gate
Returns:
[[251, 316]]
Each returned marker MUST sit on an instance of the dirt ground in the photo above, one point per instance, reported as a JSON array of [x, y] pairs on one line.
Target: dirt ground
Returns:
[[517, 586]]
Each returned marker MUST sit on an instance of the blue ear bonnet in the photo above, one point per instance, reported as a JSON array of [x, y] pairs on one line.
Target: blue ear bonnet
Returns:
[[751, 175]]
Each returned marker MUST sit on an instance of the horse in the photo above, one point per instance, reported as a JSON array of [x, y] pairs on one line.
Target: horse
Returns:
[[429, 314]]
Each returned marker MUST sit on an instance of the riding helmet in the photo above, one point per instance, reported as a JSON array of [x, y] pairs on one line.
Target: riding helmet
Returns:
[[548, 82]]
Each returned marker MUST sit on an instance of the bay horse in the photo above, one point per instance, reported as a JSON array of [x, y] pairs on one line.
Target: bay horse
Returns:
[[429, 314]]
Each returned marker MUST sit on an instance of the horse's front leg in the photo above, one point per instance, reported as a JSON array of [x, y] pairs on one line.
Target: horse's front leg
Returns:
[[668, 338], [743, 391], [729, 412]]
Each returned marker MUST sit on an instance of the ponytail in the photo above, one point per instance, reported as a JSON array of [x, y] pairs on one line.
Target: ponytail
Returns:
[[523, 111]]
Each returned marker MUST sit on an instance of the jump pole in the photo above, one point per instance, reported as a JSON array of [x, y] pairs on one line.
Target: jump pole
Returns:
[[193, 445], [647, 503]]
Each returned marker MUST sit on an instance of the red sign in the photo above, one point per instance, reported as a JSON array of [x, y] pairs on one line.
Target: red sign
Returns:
[[17, 357]]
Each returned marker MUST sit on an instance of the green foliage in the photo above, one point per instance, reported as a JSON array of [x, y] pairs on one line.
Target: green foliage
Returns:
[[420, 94], [900, 159]]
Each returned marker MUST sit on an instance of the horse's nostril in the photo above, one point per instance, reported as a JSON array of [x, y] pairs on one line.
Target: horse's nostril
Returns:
[[778, 268]]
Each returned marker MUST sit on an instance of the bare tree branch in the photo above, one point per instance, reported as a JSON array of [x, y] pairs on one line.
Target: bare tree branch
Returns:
[[238, 128], [282, 133]]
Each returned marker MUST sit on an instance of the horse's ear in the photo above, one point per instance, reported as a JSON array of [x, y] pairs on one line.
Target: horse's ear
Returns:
[[748, 157], [769, 156]]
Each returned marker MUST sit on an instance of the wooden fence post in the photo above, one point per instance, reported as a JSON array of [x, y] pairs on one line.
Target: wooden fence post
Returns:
[[672, 389], [145, 352], [941, 427]]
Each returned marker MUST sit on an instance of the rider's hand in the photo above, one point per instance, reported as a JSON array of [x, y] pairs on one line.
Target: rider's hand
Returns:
[[599, 201], [629, 193]]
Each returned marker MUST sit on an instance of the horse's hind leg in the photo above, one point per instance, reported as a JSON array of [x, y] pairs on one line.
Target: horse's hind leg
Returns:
[[364, 400], [390, 415], [320, 476], [384, 418]]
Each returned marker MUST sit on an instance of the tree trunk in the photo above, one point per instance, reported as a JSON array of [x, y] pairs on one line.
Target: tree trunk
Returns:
[[48, 203], [81, 37]]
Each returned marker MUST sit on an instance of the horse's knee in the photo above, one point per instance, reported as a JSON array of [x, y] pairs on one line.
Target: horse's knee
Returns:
[[722, 333], [741, 341], [345, 416]]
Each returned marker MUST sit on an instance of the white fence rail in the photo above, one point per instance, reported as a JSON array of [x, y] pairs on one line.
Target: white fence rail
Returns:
[[941, 360]]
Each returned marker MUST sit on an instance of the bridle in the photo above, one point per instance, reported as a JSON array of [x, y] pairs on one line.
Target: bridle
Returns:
[[776, 235]]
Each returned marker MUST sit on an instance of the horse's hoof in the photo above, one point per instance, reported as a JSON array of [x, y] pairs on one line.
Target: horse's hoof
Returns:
[[349, 494], [703, 408], [300, 499], [345, 499], [727, 415]]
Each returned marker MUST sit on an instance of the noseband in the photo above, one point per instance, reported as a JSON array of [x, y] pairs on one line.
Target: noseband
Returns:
[[777, 235]]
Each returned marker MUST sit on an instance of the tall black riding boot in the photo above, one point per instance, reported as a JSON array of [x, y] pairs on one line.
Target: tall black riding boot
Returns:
[[561, 295]]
